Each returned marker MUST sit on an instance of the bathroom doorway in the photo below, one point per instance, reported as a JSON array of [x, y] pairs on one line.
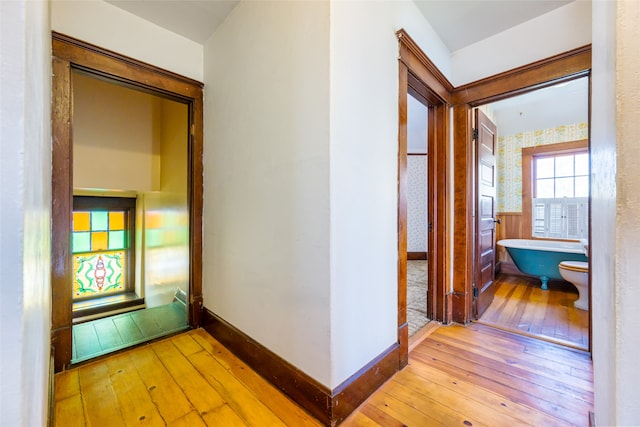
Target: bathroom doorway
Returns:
[[127, 202], [542, 193]]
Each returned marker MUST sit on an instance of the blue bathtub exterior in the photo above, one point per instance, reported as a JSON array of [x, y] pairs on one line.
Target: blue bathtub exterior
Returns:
[[543, 264]]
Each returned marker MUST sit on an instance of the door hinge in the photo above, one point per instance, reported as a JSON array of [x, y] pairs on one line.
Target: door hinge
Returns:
[[474, 134], [193, 129], [475, 292]]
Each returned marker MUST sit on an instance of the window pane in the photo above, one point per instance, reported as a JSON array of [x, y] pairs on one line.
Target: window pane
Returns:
[[99, 273], [564, 187], [81, 242], [544, 188], [564, 166], [116, 220], [81, 221], [99, 241], [99, 221], [116, 240], [544, 168], [582, 186], [582, 164]]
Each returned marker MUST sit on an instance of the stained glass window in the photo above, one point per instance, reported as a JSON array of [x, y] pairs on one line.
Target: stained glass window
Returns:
[[100, 242]]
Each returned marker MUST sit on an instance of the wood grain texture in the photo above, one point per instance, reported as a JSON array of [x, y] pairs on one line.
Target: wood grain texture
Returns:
[[474, 376], [521, 306], [187, 380], [482, 376]]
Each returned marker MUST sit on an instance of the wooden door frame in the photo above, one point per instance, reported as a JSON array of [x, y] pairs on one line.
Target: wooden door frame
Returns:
[[566, 66], [419, 73], [70, 54]]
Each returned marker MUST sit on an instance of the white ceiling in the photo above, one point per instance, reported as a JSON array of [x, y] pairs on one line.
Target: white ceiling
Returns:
[[561, 104], [459, 23]]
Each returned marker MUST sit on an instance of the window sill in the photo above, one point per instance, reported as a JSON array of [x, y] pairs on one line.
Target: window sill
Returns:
[[92, 309]]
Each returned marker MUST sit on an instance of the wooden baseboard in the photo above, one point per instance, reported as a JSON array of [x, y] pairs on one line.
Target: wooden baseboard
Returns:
[[416, 256], [329, 406]]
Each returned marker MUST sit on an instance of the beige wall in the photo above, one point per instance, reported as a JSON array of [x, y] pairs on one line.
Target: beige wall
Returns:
[[615, 210], [166, 214], [116, 137]]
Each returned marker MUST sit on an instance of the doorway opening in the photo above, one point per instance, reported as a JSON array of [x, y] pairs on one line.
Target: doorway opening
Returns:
[[417, 212], [130, 227], [541, 213], [423, 145], [127, 202]]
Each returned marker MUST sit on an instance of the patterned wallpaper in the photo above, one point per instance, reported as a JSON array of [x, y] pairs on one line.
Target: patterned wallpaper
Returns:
[[509, 159], [416, 203]]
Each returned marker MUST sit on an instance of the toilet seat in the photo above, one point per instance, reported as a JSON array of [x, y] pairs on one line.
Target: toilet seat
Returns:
[[579, 266]]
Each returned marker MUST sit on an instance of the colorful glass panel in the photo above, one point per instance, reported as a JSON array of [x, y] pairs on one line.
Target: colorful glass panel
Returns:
[[116, 240], [81, 221], [99, 221], [99, 241], [98, 273], [116, 220], [81, 242]]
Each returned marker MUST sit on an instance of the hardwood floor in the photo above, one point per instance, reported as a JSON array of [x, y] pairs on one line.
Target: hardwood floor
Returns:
[[482, 376], [473, 376], [187, 380], [520, 305]]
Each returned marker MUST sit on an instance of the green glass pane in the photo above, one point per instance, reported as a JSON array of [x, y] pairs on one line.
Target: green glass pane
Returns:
[[99, 221], [116, 240], [81, 242]]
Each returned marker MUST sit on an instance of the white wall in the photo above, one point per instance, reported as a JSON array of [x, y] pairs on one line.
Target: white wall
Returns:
[[266, 178], [616, 205], [364, 171], [110, 27], [555, 32], [25, 211]]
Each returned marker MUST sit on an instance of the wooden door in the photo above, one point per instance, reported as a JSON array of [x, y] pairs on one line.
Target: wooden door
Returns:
[[485, 249]]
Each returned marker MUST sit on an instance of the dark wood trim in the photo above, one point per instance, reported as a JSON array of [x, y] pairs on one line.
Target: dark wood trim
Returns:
[[416, 256], [403, 326], [563, 67], [356, 389], [416, 154], [72, 54], [463, 209], [104, 62], [328, 406], [528, 154], [419, 77], [61, 214], [416, 61]]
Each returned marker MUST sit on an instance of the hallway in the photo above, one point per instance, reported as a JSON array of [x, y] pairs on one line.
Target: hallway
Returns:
[[472, 376]]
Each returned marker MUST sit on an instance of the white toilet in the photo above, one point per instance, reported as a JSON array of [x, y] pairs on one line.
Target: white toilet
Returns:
[[577, 273]]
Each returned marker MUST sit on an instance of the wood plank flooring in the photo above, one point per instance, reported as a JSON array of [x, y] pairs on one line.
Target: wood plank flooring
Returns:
[[482, 376], [468, 376], [520, 305], [103, 336]]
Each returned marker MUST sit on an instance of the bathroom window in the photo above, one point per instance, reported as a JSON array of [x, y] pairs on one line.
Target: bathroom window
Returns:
[[555, 192], [564, 175], [102, 242]]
